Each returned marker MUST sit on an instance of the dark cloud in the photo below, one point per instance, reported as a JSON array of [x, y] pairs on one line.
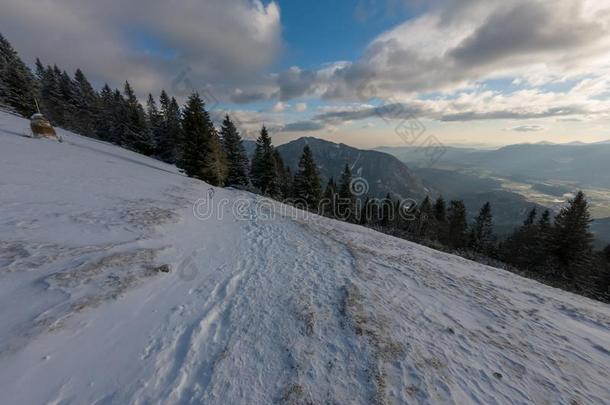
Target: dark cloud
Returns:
[[389, 111], [528, 128], [513, 115], [295, 82], [527, 28], [245, 97], [221, 42], [303, 126]]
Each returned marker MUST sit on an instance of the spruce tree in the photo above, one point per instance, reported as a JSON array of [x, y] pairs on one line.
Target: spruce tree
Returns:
[[67, 90], [202, 157], [329, 199], [440, 216], [263, 170], [285, 180], [457, 225], [425, 220], [137, 135], [371, 211], [307, 180], [440, 209], [482, 236], [120, 132], [170, 138], [387, 211], [154, 121], [86, 103], [541, 241], [521, 248], [237, 160], [105, 120], [18, 86], [51, 102], [572, 242], [346, 203], [196, 133]]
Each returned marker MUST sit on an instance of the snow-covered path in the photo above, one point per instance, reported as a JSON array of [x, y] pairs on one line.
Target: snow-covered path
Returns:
[[262, 304]]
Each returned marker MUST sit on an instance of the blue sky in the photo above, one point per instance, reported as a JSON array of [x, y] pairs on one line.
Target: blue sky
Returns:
[[338, 31], [471, 72]]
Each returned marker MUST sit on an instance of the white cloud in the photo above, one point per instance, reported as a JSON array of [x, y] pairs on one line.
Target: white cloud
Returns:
[[280, 107], [533, 41], [454, 49], [528, 128], [149, 42], [300, 107]]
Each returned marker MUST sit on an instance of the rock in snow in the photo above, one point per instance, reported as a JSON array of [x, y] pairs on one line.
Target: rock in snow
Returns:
[[264, 304]]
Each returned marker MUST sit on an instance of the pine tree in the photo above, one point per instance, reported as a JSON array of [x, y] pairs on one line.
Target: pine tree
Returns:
[[440, 209], [121, 132], [371, 212], [521, 248], [68, 98], [263, 170], [329, 199], [106, 126], [572, 241], [531, 217], [170, 138], [440, 216], [457, 225], [307, 180], [346, 203], [86, 103], [196, 132], [425, 220], [137, 135], [40, 71], [284, 176], [18, 86], [387, 211], [154, 122], [237, 160], [482, 236], [202, 157], [51, 102]]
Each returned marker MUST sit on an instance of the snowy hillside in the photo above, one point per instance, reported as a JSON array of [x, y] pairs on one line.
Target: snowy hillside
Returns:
[[260, 305]]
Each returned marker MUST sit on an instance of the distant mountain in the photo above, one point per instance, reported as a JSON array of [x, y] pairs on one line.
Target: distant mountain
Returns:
[[383, 172], [417, 157], [587, 164]]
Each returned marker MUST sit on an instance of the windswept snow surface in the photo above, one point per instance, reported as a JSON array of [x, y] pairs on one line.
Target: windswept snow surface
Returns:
[[262, 304]]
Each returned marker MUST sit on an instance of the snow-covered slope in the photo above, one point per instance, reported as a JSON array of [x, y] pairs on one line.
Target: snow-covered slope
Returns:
[[261, 305]]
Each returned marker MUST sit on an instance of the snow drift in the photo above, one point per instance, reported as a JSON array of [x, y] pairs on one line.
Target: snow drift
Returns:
[[262, 303]]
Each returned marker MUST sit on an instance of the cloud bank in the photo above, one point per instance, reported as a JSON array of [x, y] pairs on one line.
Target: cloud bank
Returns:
[[149, 42]]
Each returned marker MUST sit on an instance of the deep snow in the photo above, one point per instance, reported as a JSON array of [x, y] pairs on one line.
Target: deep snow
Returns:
[[262, 304]]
